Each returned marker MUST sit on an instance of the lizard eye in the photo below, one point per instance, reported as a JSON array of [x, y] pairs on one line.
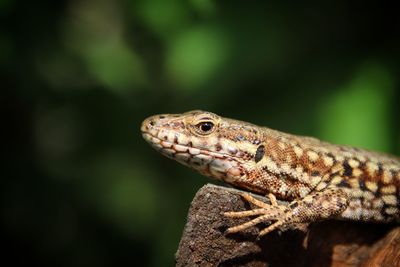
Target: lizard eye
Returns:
[[205, 126]]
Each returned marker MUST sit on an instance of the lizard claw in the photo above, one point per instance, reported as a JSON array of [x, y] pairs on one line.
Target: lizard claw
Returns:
[[265, 213]]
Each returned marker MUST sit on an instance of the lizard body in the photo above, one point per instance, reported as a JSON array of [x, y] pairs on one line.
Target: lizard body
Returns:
[[319, 179]]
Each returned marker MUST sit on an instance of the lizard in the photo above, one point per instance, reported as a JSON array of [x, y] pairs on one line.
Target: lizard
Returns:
[[319, 180]]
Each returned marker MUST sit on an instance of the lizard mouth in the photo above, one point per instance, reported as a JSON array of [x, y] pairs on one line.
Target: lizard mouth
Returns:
[[221, 166], [175, 150]]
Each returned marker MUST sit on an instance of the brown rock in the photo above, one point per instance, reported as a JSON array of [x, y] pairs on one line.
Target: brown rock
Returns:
[[328, 243]]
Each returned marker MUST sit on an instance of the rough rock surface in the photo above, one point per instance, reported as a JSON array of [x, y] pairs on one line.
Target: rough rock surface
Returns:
[[328, 243]]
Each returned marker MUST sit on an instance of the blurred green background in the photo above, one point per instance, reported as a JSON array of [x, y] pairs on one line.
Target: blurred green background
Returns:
[[79, 185]]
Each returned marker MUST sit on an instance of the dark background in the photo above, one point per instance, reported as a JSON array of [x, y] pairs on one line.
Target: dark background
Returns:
[[79, 186]]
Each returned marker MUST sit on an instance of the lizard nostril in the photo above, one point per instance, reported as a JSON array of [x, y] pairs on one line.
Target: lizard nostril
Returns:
[[152, 123]]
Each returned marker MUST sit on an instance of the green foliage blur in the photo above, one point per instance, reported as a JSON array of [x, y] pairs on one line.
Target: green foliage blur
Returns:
[[79, 185]]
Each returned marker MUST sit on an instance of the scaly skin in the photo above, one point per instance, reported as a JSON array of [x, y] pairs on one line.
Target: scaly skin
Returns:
[[321, 180]]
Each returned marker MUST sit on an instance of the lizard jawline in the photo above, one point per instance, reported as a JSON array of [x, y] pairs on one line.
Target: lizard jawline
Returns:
[[220, 166]]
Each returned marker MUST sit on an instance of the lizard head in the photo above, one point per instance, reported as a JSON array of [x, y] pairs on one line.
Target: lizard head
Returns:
[[215, 146]]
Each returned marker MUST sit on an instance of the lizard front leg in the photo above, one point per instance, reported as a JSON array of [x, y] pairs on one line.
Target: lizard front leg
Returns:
[[313, 207]]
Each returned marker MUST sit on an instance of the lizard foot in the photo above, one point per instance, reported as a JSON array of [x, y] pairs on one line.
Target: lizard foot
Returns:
[[264, 212], [297, 215]]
